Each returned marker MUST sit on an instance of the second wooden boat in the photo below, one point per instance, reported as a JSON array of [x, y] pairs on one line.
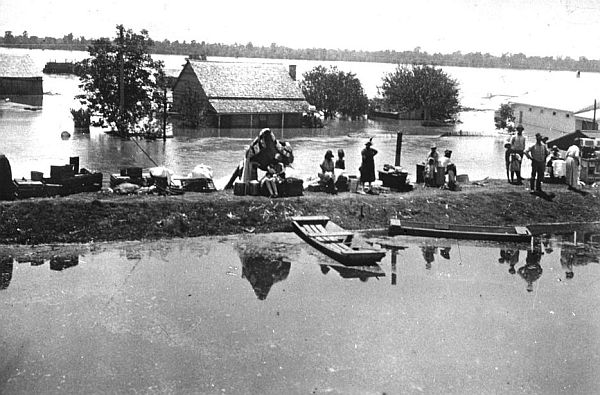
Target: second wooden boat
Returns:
[[452, 231], [333, 241]]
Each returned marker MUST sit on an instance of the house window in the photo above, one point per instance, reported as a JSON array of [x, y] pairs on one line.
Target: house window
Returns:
[[568, 115], [541, 110], [530, 109], [553, 112]]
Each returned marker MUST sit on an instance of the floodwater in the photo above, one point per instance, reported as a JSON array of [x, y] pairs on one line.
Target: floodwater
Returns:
[[31, 139], [268, 314]]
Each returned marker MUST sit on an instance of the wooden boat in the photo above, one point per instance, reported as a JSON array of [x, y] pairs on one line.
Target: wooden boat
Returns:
[[333, 241], [451, 231]]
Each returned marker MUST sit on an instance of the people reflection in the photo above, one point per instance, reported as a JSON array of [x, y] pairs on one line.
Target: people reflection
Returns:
[[263, 270], [566, 261], [6, 269], [511, 257], [428, 253], [532, 269], [547, 243]]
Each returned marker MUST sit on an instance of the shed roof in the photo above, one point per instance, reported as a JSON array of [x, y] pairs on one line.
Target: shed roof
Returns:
[[241, 106], [18, 66], [235, 80]]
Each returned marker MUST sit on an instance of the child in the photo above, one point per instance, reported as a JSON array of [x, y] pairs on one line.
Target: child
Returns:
[[515, 167], [507, 160], [430, 170]]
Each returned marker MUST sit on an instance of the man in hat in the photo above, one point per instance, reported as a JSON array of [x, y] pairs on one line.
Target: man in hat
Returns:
[[517, 145], [537, 153]]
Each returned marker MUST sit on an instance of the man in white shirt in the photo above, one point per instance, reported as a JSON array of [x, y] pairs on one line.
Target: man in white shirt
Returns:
[[517, 144]]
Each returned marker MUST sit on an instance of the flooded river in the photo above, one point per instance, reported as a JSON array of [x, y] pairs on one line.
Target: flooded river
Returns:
[[32, 139], [268, 314]]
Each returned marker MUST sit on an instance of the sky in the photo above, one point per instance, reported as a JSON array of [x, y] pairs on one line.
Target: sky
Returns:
[[533, 27]]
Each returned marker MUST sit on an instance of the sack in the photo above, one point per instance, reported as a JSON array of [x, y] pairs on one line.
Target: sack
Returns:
[[202, 171]]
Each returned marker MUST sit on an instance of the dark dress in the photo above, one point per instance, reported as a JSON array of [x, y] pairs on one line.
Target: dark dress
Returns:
[[367, 167], [7, 185]]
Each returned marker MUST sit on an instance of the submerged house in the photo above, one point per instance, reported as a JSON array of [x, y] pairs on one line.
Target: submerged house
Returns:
[[240, 95], [563, 108], [19, 76]]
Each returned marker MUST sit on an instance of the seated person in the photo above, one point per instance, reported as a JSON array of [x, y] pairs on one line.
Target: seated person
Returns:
[[342, 182], [327, 174], [449, 169], [554, 155], [275, 174]]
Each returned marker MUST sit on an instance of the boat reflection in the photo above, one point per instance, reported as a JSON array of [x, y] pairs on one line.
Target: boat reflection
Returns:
[[363, 274], [262, 269], [59, 263]]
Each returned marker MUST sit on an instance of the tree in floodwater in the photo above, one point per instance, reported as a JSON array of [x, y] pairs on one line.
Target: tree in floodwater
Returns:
[[504, 118], [121, 81], [421, 88], [333, 91]]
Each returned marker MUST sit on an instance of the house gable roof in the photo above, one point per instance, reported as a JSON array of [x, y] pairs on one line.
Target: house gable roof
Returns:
[[237, 80], [18, 66]]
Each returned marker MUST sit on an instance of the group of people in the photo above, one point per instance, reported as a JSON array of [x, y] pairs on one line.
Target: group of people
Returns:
[[541, 158], [332, 174], [437, 168]]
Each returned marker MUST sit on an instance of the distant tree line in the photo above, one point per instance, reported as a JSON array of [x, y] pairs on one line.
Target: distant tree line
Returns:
[[274, 51]]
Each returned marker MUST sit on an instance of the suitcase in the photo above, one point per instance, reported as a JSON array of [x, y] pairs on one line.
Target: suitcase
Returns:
[[292, 187]]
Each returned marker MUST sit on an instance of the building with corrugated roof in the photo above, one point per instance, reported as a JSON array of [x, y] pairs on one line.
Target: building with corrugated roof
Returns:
[[241, 95], [19, 76]]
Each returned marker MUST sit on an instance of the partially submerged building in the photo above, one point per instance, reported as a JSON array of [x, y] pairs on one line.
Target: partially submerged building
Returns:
[[560, 108], [240, 95], [19, 76]]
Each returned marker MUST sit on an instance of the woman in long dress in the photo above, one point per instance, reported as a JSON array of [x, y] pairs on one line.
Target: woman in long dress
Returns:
[[572, 165], [367, 166]]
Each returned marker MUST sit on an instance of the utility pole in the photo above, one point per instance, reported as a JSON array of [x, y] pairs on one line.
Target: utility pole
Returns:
[[594, 127]]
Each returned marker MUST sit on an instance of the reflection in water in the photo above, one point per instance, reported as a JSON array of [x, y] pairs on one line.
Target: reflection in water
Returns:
[[354, 272], [6, 268], [428, 253], [262, 269], [532, 269], [63, 262], [445, 252], [511, 257], [579, 249]]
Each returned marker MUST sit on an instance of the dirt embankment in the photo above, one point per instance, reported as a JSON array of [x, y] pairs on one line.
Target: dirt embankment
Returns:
[[100, 217]]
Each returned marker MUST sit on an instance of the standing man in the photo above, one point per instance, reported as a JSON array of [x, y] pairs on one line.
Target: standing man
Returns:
[[517, 144], [537, 153]]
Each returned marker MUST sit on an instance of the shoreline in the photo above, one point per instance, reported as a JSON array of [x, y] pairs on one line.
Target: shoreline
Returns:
[[89, 217]]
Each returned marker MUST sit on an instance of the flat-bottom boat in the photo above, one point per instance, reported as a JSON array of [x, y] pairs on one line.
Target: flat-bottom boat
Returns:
[[333, 241], [452, 231]]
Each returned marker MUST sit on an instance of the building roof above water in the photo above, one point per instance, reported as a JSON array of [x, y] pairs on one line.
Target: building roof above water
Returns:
[[235, 80], [18, 66]]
